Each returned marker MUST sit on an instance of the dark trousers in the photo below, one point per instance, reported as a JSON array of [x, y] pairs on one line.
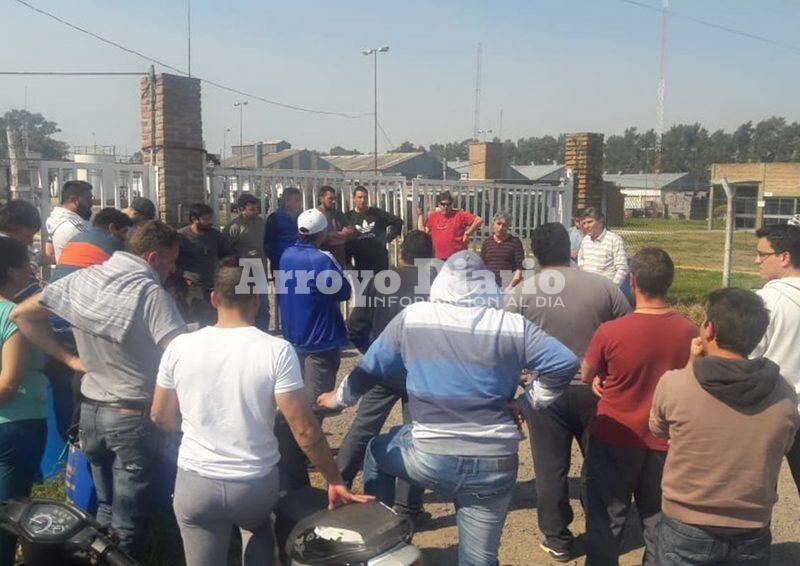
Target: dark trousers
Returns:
[[612, 475], [552, 430], [319, 374], [21, 448], [793, 457], [373, 410], [680, 544]]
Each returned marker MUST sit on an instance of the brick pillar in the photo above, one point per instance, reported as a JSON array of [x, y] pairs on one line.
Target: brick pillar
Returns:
[[485, 160], [584, 155], [179, 152]]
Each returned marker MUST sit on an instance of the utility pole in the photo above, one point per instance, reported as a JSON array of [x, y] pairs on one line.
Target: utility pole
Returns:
[[662, 85], [476, 124], [730, 221], [225, 142], [189, 33], [374, 52], [500, 128], [241, 104], [25, 126]]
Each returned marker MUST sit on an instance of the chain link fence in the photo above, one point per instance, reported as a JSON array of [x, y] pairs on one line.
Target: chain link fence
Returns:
[[697, 251]]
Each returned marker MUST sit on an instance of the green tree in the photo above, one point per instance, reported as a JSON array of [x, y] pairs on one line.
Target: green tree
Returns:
[[38, 130], [407, 147], [339, 150]]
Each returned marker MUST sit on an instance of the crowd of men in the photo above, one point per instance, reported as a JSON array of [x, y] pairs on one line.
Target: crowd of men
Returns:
[[691, 424]]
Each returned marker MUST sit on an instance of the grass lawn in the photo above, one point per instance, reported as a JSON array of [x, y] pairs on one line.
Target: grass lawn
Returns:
[[692, 285], [698, 254], [662, 224]]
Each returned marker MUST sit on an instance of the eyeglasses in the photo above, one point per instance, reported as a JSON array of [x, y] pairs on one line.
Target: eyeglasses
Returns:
[[764, 255], [445, 204]]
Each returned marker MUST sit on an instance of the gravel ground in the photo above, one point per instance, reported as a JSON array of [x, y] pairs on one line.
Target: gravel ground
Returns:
[[438, 539]]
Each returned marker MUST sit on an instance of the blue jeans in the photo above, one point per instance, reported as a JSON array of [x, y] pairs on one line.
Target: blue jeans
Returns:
[[680, 544], [481, 488], [121, 446], [21, 449]]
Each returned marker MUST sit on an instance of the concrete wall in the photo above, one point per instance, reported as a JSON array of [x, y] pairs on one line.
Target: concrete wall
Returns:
[[179, 153]]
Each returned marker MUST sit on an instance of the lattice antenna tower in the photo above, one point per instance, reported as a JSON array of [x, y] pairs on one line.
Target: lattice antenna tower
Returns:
[[662, 85]]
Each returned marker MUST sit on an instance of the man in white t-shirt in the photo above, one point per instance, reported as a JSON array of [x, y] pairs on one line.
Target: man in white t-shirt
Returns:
[[69, 219], [778, 260], [224, 397]]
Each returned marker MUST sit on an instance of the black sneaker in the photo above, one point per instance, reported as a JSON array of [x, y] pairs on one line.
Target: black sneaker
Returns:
[[557, 555]]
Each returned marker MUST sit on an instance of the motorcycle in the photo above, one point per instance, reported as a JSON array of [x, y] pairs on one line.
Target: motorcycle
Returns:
[[53, 532], [360, 534]]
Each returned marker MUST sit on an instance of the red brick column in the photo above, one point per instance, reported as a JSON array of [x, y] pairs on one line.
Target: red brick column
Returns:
[[179, 152], [584, 155]]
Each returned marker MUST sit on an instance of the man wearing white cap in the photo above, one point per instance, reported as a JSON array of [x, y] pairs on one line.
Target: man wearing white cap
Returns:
[[311, 284]]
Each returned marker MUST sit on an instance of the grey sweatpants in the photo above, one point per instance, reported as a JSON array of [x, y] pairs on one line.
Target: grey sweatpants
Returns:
[[207, 509]]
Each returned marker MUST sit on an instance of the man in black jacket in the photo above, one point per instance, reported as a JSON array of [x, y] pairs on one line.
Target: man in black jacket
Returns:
[[375, 228]]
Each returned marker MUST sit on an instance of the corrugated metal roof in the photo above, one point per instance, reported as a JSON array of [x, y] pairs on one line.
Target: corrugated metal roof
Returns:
[[648, 180], [536, 172], [366, 162], [266, 161]]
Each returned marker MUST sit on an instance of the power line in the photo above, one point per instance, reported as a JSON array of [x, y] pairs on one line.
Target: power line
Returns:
[[99, 37], [715, 26], [170, 67], [283, 104], [386, 136], [70, 74]]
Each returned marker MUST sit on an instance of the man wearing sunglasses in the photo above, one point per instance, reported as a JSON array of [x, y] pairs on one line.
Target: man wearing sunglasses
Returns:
[[778, 260], [450, 228]]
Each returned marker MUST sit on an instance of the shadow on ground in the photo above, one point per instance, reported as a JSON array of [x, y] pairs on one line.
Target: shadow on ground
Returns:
[[447, 556], [785, 554]]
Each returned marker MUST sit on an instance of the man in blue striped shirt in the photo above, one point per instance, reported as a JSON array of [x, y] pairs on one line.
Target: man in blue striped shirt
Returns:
[[463, 356]]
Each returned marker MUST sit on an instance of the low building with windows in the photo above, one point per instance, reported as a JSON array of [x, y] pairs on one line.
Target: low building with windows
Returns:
[[766, 193]]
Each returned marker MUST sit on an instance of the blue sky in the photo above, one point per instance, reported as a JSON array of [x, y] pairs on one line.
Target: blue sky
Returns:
[[551, 66]]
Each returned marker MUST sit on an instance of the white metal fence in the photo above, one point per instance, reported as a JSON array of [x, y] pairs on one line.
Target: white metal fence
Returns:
[[528, 205], [225, 185], [114, 184]]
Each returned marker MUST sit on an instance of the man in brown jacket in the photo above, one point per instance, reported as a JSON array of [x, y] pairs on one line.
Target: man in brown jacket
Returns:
[[729, 420]]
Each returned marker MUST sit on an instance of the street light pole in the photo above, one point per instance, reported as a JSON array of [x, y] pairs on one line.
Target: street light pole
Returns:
[[375, 112], [225, 142], [241, 106], [374, 52]]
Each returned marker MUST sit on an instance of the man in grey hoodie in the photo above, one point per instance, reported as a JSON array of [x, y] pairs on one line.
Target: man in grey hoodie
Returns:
[[122, 319], [778, 260], [461, 356], [729, 421]]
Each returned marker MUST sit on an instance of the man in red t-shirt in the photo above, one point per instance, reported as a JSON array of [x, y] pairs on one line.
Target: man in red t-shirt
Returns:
[[450, 228], [624, 362]]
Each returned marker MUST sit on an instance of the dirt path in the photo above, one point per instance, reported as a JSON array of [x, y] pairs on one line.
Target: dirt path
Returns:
[[520, 544]]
